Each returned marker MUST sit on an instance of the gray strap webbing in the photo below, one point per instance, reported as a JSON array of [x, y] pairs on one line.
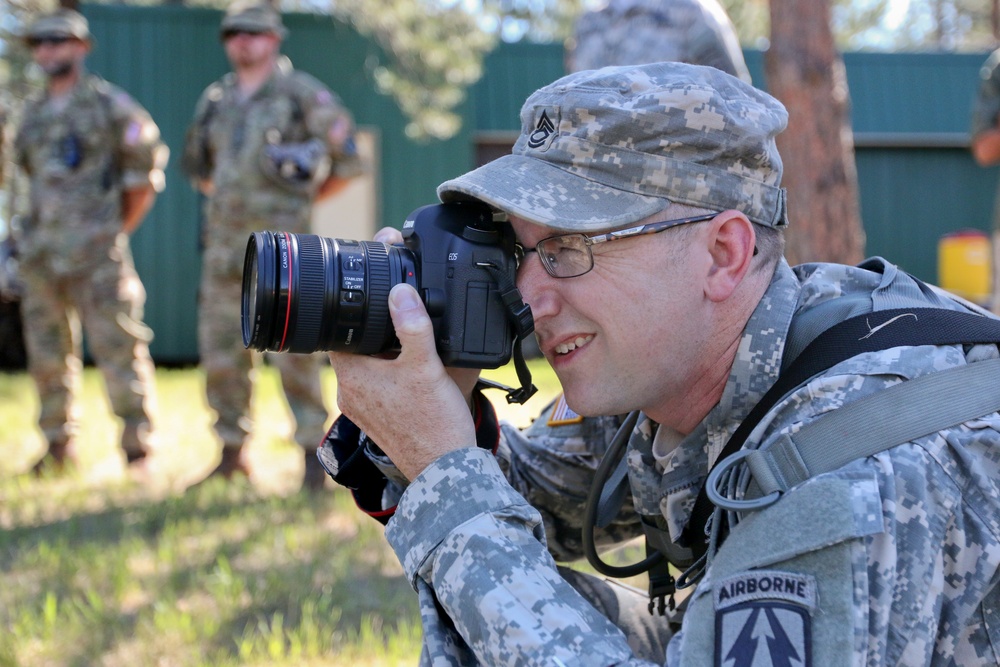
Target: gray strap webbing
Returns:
[[891, 417]]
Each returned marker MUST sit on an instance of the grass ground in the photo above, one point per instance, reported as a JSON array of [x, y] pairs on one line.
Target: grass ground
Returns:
[[100, 569]]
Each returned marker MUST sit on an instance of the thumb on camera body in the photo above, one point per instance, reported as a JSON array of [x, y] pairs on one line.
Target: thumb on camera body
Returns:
[[409, 317]]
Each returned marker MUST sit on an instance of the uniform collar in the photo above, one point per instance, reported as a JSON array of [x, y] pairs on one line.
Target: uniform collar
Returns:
[[754, 370]]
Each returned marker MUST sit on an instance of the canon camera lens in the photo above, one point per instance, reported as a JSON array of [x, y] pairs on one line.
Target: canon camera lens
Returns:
[[306, 293]]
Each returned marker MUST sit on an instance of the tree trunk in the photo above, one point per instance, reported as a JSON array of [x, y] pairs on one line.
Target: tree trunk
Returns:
[[805, 71]]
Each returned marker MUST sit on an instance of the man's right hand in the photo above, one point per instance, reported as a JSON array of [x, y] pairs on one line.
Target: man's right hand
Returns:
[[409, 405], [465, 378]]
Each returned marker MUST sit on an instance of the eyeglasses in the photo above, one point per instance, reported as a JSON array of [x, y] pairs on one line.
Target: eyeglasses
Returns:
[[570, 255], [229, 34], [51, 40]]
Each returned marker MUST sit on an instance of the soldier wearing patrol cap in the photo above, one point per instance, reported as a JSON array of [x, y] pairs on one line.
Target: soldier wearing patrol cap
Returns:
[[95, 162], [266, 141], [630, 32], [648, 208]]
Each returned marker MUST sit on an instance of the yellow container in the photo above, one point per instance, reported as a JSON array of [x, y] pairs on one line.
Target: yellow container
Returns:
[[964, 265]]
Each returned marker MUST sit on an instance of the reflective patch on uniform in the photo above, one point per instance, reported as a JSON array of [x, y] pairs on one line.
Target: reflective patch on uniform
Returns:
[[762, 618], [132, 133], [562, 415], [763, 634]]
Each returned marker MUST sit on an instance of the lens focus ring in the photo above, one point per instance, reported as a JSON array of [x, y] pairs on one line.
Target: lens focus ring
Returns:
[[311, 288], [373, 337]]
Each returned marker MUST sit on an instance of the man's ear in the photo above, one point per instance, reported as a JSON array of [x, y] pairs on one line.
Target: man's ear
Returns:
[[730, 240]]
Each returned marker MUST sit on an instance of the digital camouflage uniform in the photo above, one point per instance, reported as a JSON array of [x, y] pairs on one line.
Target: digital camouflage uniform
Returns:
[[899, 552], [633, 32], [75, 260], [984, 117], [891, 559], [225, 143]]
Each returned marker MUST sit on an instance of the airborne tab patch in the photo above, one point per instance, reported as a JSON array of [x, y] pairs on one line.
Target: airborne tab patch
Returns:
[[763, 618]]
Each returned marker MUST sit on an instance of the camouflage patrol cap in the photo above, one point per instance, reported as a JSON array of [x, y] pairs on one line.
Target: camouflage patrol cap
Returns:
[[601, 149], [252, 17], [62, 23]]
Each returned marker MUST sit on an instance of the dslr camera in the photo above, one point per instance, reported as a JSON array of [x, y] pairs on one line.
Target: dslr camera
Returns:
[[306, 293]]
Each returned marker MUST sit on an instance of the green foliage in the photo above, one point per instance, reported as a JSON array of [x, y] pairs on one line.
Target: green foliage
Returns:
[[435, 54], [101, 568], [751, 20], [436, 48], [947, 25]]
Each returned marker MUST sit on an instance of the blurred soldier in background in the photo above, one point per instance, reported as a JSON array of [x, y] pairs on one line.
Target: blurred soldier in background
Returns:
[[94, 160], [985, 132], [3, 141], [634, 32], [12, 355], [266, 141]]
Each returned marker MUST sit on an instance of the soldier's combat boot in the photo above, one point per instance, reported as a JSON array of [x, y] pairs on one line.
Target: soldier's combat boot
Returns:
[[135, 441], [55, 458], [231, 465]]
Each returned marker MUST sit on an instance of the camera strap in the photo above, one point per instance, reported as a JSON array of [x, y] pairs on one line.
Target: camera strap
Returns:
[[519, 315]]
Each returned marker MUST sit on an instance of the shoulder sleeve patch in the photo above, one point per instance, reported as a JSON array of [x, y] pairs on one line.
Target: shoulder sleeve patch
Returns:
[[763, 634], [763, 617], [562, 414]]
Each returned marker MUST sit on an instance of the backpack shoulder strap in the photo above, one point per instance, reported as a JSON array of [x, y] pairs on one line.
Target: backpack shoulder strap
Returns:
[[871, 332], [874, 424]]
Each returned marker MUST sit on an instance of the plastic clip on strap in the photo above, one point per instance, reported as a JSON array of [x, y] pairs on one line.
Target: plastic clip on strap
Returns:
[[519, 315]]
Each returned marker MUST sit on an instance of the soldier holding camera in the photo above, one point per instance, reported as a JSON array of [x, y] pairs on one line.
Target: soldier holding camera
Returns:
[[265, 142], [648, 215], [95, 161]]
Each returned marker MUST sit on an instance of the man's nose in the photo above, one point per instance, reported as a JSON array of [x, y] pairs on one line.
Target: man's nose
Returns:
[[534, 283]]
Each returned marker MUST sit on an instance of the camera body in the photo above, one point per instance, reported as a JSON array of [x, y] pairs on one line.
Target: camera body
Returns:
[[305, 293], [451, 244]]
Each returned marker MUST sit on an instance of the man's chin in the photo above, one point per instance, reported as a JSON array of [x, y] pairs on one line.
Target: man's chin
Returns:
[[587, 405], [58, 70]]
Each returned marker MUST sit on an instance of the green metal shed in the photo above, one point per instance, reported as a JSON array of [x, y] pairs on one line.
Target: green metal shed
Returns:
[[910, 117]]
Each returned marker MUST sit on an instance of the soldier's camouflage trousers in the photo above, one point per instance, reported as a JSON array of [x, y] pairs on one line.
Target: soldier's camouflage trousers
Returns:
[[229, 366], [108, 301]]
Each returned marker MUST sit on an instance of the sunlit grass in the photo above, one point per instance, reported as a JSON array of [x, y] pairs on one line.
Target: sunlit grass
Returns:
[[100, 568]]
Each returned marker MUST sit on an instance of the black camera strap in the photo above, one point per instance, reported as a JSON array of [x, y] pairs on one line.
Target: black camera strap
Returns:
[[519, 315]]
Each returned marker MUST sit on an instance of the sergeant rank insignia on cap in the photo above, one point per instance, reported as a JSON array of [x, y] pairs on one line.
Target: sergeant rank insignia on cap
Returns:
[[544, 128], [562, 415]]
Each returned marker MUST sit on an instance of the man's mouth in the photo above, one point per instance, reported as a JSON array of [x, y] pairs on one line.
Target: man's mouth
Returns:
[[569, 346]]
